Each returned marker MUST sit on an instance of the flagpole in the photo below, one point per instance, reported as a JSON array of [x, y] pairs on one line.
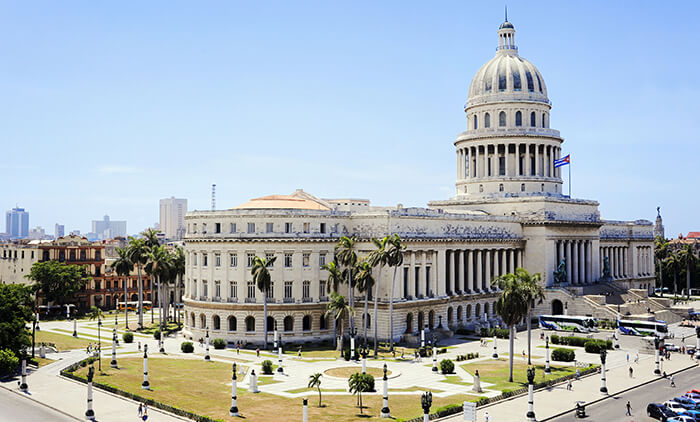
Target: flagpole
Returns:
[[569, 179]]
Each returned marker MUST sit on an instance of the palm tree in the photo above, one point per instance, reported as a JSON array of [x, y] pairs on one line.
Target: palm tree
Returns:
[[689, 259], [150, 236], [315, 382], [533, 292], [261, 277], [674, 262], [511, 306], [123, 267], [358, 384], [158, 266], [660, 254], [378, 257], [338, 307], [396, 249], [137, 255], [364, 282], [346, 256], [178, 266], [335, 278], [97, 314]]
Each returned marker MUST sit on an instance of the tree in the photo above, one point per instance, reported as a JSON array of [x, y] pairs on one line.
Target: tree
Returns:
[[534, 292], [15, 313], [315, 382], [346, 256], [158, 266], [511, 306], [262, 278], [689, 259], [178, 267], [396, 249], [97, 314], [364, 280], [335, 278], [379, 257], [137, 255], [57, 281], [660, 254], [674, 262], [359, 383], [338, 307], [123, 267]]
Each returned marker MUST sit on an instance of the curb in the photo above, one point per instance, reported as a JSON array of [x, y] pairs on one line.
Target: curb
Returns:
[[41, 403], [615, 394]]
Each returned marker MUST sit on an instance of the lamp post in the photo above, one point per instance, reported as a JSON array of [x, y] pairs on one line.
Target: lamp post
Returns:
[[145, 385], [353, 332], [113, 363], [233, 411], [89, 413], [547, 370], [657, 342], [33, 335], [422, 338], [603, 388], [279, 356], [75, 327], [530, 394], [305, 411], [435, 369], [495, 348], [426, 401], [99, 344], [385, 398], [275, 334], [206, 356], [23, 386], [364, 361]]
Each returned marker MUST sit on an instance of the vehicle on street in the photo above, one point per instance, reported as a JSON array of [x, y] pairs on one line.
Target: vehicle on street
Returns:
[[680, 418], [577, 324], [682, 410], [660, 412], [643, 328], [688, 403], [691, 395], [671, 347], [690, 349]]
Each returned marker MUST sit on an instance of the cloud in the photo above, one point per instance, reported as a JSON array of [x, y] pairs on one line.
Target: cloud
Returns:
[[116, 169]]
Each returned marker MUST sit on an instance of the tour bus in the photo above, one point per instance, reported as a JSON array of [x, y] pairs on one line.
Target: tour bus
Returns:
[[132, 306], [577, 324], [643, 328]]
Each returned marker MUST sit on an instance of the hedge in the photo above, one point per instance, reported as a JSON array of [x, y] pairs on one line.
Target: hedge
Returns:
[[8, 361], [267, 367], [447, 366], [128, 337], [187, 347], [590, 345], [498, 332], [595, 346], [219, 343], [563, 355], [156, 334]]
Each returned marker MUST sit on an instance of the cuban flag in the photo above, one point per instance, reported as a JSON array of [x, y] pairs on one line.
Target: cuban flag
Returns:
[[562, 161]]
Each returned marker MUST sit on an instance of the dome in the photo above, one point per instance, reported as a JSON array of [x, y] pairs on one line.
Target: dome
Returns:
[[506, 24]]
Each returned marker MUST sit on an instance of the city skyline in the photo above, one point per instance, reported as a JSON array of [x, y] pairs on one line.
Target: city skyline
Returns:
[[193, 109]]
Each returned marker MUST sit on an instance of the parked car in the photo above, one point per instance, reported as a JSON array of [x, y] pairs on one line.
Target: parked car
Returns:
[[688, 403], [690, 349], [682, 410], [660, 412], [692, 395], [680, 418], [672, 347]]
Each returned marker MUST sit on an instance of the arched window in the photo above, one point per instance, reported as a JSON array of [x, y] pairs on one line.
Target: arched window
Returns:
[[421, 320], [431, 319], [533, 123], [216, 321], [202, 321], [323, 322], [288, 323], [518, 118], [306, 323], [249, 324], [502, 118], [469, 311], [459, 313], [544, 121], [477, 311], [486, 309], [232, 323], [193, 320], [476, 122], [409, 323], [270, 323], [368, 320], [450, 312], [487, 120], [500, 187]]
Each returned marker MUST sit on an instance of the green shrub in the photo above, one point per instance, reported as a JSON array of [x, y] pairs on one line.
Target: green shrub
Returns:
[[219, 343], [425, 352], [267, 367], [595, 346], [156, 334], [8, 361], [128, 337], [187, 347], [498, 332], [563, 355], [555, 339], [346, 354], [370, 381], [447, 366]]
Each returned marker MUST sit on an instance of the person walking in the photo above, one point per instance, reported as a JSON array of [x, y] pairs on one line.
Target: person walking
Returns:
[[628, 358], [578, 374], [487, 417], [257, 352], [568, 385], [631, 372], [140, 410], [628, 412], [673, 381]]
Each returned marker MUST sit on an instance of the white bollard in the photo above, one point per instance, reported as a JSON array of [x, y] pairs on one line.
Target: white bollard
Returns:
[[352, 348], [279, 360], [495, 349], [89, 413], [305, 414], [364, 363], [75, 327], [253, 382], [145, 385], [530, 403], [476, 387], [233, 411], [657, 371], [113, 363], [422, 338], [23, 386], [206, 357], [603, 387], [275, 338], [547, 369], [435, 369], [385, 398]]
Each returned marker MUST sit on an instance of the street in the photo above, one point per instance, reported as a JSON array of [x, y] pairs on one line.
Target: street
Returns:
[[613, 409], [14, 407]]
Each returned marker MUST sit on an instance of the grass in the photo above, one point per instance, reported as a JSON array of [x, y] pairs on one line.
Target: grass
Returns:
[[203, 388], [328, 351], [313, 390], [60, 341], [454, 379], [345, 372], [496, 372]]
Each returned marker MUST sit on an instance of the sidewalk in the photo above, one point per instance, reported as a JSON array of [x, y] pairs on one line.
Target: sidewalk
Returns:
[[554, 401]]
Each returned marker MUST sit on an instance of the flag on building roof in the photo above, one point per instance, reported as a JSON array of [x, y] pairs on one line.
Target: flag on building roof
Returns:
[[562, 161]]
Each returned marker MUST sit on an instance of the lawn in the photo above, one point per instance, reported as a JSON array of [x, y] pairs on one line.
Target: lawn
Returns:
[[204, 388], [315, 351], [60, 341], [345, 372], [496, 372]]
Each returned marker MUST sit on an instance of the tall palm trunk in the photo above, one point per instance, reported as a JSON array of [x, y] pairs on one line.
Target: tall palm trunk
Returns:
[[675, 283], [687, 277], [160, 303], [391, 313], [351, 296], [265, 318], [126, 300], [376, 300], [152, 297], [138, 266], [511, 335], [364, 321]]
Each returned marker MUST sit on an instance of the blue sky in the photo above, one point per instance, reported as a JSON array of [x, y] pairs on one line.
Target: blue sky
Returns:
[[107, 107]]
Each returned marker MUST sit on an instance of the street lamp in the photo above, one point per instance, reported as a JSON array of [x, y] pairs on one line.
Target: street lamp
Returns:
[[353, 332], [385, 397], [234, 394], [603, 387], [99, 344], [426, 401], [435, 369], [530, 394], [89, 413], [657, 343]]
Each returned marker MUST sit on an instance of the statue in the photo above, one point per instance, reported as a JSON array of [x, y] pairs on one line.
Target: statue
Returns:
[[606, 269], [90, 374], [426, 401], [658, 212], [531, 375], [560, 273]]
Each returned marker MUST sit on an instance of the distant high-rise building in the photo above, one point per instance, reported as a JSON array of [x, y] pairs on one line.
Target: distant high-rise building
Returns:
[[108, 229], [17, 223], [60, 230], [172, 217], [38, 233]]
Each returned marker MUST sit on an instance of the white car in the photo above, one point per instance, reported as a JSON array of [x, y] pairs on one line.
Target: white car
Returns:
[[680, 410], [681, 418]]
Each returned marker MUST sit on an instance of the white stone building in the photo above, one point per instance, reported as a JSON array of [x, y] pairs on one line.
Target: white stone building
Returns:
[[509, 211]]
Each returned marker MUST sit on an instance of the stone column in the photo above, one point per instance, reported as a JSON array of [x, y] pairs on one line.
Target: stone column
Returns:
[[504, 261], [451, 283], [582, 261], [547, 369], [412, 274], [517, 160], [505, 154], [89, 413], [568, 261], [145, 385], [487, 267], [511, 263], [460, 268], [537, 160], [589, 261], [574, 261], [470, 271], [560, 245], [459, 167], [521, 258], [479, 269], [385, 397], [485, 171]]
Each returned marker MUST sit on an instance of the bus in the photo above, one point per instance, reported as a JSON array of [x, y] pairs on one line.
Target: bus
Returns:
[[577, 324], [643, 328], [132, 306]]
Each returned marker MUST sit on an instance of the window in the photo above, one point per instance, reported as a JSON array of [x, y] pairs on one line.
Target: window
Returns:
[[405, 282], [518, 118], [533, 123], [217, 259], [233, 260], [502, 79], [502, 166], [217, 289], [323, 228], [194, 288], [232, 323], [288, 289], [306, 289], [306, 323], [517, 85], [522, 187], [204, 228], [305, 259], [109, 285], [205, 288], [233, 289], [322, 288], [71, 255], [217, 227], [542, 187], [502, 118], [416, 280], [321, 259], [251, 290], [249, 324], [97, 286], [232, 228], [287, 227], [288, 260], [194, 259], [269, 227], [205, 259], [83, 255], [270, 293], [500, 187], [251, 227], [307, 227], [530, 84], [216, 322], [194, 228], [544, 124], [428, 290], [323, 322], [288, 323], [487, 120], [268, 257], [476, 122], [250, 258]]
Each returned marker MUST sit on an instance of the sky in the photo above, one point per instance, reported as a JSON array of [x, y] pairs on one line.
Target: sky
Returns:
[[106, 107]]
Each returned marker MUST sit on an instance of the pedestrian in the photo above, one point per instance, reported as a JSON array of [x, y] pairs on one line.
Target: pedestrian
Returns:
[[257, 352], [636, 359], [145, 412], [629, 409], [299, 353], [140, 409], [578, 374], [628, 358], [402, 350], [673, 381], [487, 417], [631, 372], [568, 385]]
